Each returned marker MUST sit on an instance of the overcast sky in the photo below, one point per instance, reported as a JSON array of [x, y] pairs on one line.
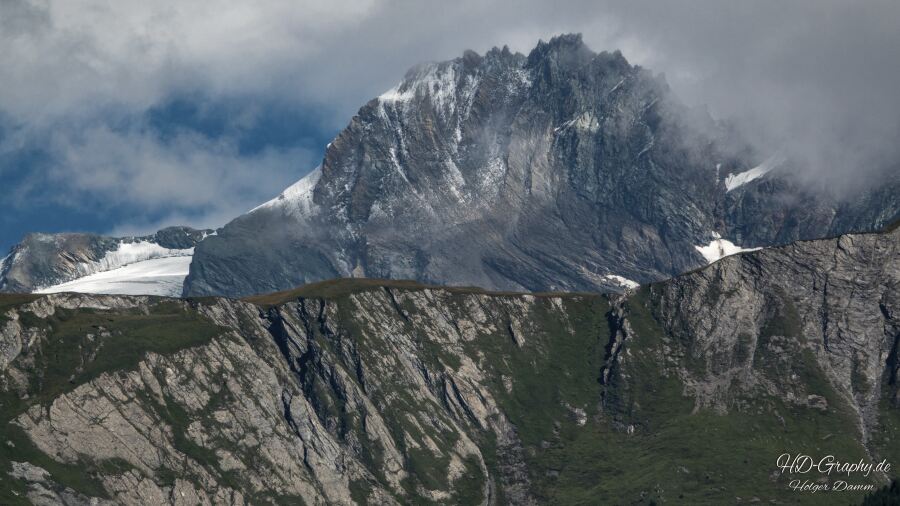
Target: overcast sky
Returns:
[[122, 116]]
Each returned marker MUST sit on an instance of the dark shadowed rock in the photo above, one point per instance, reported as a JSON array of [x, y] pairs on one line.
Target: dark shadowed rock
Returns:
[[561, 170]]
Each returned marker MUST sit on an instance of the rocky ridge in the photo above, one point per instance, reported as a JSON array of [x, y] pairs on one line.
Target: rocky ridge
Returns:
[[378, 392], [563, 169]]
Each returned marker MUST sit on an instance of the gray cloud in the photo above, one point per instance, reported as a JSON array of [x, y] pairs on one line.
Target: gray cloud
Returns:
[[817, 78], [187, 178], [185, 172]]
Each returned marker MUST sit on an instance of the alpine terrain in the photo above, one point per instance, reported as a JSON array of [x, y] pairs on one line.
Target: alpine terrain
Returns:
[[153, 265], [564, 169], [383, 392]]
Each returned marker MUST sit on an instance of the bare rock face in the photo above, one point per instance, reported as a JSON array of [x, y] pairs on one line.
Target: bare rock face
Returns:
[[377, 392], [811, 311], [564, 169]]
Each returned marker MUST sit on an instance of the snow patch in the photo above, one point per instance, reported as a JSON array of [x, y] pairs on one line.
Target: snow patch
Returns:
[[648, 147], [397, 165], [492, 177], [621, 281], [395, 95], [585, 121], [297, 199], [522, 80], [441, 82], [719, 248], [456, 183], [737, 180], [157, 276], [436, 80], [128, 253]]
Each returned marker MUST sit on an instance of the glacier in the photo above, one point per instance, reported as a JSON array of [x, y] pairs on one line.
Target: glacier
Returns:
[[128, 253], [156, 276], [134, 268]]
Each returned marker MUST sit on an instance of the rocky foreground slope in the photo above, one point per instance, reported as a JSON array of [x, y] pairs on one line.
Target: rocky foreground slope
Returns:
[[563, 169], [356, 391]]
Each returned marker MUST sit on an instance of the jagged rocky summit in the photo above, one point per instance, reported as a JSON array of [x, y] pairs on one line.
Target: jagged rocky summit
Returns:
[[564, 169], [377, 392], [155, 264]]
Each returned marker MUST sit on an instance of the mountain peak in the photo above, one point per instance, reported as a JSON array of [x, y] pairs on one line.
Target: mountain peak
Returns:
[[562, 170], [565, 41], [568, 55], [570, 46]]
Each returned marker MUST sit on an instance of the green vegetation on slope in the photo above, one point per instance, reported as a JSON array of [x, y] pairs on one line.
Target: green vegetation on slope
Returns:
[[653, 444], [340, 287], [639, 438], [886, 496], [12, 300], [79, 346]]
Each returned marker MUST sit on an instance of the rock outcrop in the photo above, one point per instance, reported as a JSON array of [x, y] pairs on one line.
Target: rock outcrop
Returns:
[[379, 392], [564, 169]]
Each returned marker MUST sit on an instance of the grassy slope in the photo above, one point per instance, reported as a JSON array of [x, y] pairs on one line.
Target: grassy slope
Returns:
[[675, 455], [681, 456], [337, 288], [69, 357], [11, 300]]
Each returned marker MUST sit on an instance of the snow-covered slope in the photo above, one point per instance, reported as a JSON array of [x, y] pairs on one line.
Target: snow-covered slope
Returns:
[[134, 268], [72, 261], [736, 180], [719, 248], [130, 253], [155, 276], [297, 199], [621, 281]]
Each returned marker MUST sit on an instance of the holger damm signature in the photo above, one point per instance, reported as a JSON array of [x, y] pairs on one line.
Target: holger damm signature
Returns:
[[829, 466]]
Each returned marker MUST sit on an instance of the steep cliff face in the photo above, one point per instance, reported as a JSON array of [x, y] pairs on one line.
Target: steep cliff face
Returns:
[[832, 302], [376, 392], [561, 170], [378, 396], [791, 345]]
